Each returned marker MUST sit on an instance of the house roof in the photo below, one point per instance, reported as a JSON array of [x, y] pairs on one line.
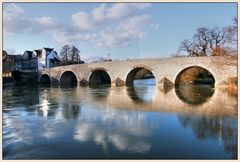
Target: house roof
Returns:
[[38, 52], [17, 57], [56, 55], [29, 52], [48, 50]]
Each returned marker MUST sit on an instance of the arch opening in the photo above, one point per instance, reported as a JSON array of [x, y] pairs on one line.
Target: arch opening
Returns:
[[194, 85], [194, 75], [68, 78], [99, 77], [45, 79], [140, 76]]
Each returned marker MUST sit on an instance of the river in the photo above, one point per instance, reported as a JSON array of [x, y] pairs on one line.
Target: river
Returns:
[[140, 122]]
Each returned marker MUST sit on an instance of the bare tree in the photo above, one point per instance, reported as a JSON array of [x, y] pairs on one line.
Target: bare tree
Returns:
[[64, 54], [74, 53], [232, 42], [201, 41], [214, 42], [218, 37], [189, 47], [232, 32], [199, 45]]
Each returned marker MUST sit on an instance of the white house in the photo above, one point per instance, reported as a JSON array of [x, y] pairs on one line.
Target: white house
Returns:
[[49, 58], [39, 59]]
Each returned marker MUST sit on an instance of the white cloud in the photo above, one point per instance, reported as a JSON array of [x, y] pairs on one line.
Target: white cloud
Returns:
[[83, 21], [99, 13], [123, 10], [13, 9], [47, 22], [130, 27], [63, 37], [102, 14], [12, 19], [125, 33], [105, 26], [13, 24]]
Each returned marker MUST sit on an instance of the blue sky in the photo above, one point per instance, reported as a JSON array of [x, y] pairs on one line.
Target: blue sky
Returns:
[[126, 30]]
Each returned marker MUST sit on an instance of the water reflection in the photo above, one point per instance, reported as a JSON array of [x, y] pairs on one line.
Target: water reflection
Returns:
[[143, 90], [118, 122], [71, 111], [194, 94], [125, 130], [99, 92], [44, 106], [165, 89], [47, 105], [66, 86], [224, 129], [141, 94], [17, 97]]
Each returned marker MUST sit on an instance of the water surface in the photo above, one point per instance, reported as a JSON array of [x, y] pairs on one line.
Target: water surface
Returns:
[[140, 122]]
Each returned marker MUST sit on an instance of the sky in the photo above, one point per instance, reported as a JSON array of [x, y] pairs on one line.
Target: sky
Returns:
[[118, 30]]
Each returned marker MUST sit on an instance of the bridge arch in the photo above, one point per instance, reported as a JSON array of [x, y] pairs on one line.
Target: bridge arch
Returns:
[[99, 76], [206, 70], [68, 78], [45, 79], [129, 78]]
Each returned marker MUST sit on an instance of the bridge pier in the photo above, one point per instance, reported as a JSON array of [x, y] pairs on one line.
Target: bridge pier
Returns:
[[83, 82], [118, 82], [55, 81], [165, 82]]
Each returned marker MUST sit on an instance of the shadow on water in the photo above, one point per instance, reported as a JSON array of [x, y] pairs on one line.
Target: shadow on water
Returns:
[[194, 94]]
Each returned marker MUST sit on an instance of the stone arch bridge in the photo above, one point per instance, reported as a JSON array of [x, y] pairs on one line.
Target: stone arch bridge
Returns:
[[165, 70]]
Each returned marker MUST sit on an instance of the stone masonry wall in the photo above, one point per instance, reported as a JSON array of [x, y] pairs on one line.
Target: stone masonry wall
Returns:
[[220, 67]]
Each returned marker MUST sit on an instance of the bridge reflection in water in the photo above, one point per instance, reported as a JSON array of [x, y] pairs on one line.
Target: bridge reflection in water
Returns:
[[143, 121]]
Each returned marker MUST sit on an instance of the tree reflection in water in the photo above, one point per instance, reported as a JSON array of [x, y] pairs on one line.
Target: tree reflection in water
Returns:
[[71, 111], [194, 94], [222, 128]]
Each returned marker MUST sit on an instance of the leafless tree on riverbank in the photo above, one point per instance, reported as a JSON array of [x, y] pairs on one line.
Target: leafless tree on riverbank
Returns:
[[212, 42]]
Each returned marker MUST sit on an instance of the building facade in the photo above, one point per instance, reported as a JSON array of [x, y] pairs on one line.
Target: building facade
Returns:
[[39, 59], [9, 63]]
